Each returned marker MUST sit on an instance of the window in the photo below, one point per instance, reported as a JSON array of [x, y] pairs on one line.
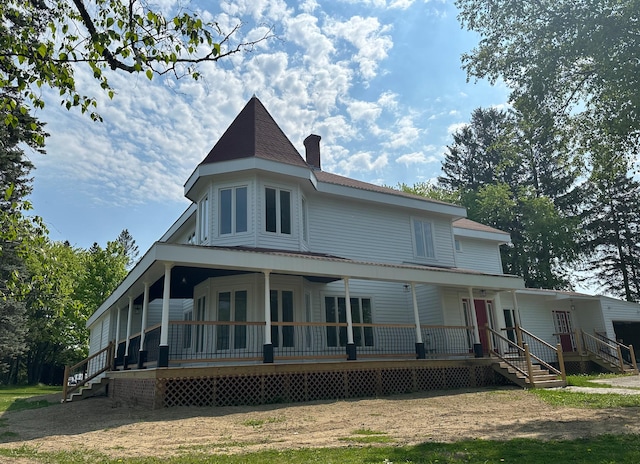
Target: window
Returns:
[[336, 311], [510, 323], [457, 245], [201, 307], [191, 239], [423, 239], [203, 218], [233, 210], [305, 232], [232, 307], [186, 330], [277, 211], [282, 311]]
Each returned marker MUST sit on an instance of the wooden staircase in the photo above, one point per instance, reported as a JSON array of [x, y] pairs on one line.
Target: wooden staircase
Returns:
[[91, 390], [515, 370], [83, 380], [609, 354], [516, 362]]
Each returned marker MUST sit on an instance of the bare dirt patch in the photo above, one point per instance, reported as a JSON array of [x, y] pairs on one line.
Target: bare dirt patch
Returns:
[[120, 431]]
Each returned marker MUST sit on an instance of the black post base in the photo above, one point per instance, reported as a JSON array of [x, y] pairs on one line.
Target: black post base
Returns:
[[163, 356], [351, 351], [477, 350], [420, 352], [126, 363], [267, 353], [142, 358]]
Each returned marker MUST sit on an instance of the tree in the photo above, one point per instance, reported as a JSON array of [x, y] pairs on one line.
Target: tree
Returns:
[[129, 247], [42, 42], [511, 175], [611, 221], [569, 57]]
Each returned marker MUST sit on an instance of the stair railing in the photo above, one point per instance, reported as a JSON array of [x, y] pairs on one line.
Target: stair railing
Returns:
[[610, 351], [500, 345], [80, 374], [540, 348]]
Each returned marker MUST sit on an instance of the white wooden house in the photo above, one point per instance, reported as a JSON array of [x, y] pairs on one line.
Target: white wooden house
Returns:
[[285, 282]]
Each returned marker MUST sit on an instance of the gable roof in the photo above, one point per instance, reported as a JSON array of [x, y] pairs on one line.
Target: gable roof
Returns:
[[254, 133], [468, 224]]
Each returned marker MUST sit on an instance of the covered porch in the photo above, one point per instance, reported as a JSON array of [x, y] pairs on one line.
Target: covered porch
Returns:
[[188, 305]]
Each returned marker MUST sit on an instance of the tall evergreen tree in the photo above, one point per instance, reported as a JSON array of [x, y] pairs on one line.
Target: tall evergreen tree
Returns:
[[611, 224]]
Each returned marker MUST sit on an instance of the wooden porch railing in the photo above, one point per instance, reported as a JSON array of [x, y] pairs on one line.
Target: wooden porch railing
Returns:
[[611, 351], [522, 355], [87, 370]]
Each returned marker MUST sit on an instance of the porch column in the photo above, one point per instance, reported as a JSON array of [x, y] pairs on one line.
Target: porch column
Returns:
[[115, 352], [499, 313], [477, 346], [126, 346], [163, 353], [142, 355], [351, 347], [420, 353], [267, 350]]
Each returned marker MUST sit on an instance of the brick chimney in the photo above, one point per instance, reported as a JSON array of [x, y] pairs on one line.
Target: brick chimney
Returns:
[[312, 148]]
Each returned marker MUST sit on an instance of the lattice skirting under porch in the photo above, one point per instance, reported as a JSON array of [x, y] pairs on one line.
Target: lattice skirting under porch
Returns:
[[254, 388]]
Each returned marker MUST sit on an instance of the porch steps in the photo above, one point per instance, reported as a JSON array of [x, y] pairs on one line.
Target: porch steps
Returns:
[[93, 389], [609, 366], [540, 378]]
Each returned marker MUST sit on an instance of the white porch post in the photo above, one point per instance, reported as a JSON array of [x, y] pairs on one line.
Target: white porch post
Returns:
[[128, 340], [420, 352], [163, 353], [477, 347], [115, 352], [268, 343], [142, 355], [351, 347], [499, 313]]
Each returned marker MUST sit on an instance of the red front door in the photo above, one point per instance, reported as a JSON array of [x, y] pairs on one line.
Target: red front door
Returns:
[[483, 320], [564, 329]]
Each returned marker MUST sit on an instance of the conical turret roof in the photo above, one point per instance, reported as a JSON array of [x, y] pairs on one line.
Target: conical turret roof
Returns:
[[254, 133]]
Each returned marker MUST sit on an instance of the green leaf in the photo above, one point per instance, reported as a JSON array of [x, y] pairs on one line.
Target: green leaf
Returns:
[[149, 74]]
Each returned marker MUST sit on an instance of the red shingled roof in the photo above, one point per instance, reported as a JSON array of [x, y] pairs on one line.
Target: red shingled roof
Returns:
[[254, 133]]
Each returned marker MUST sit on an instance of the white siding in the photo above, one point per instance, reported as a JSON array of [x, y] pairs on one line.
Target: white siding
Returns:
[[479, 255], [616, 310], [363, 231]]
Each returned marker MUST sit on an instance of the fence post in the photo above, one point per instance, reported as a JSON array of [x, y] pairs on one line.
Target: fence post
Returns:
[[527, 356], [65, 384], [519, 336], [579, 342], [561, 362], [633, 358], [620, 360]]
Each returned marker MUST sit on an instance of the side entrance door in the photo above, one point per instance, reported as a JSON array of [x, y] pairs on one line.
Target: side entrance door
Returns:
[[483, 320], [564, 329]]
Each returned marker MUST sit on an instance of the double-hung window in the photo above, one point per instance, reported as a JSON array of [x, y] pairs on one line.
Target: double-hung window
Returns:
[[203, 219], [232, 307], [423, 239], [233, 210], [277, 210], [336, 312], [281, 302]]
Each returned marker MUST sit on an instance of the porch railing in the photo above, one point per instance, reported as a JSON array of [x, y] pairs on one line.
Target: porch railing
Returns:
[[225, 341], [80, 374], [522, 356], [610, 351]]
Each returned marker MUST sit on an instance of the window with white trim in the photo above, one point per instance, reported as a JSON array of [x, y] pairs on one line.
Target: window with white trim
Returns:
[[233, 209], [423, 239], [232, 307], [282, 311], [336, 311], [203, 219], [305, 230], [277, 210]]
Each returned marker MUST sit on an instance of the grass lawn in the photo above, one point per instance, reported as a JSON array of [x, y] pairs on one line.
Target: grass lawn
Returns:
[[374, 446], [13, 398]]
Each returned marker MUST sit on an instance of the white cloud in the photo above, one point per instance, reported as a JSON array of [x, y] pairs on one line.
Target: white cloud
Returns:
[[417, 157], [452, 128], [371, 39], [362, 162]]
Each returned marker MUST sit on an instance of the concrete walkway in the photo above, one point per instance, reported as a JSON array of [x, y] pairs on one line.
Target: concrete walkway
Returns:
[[624, 385]]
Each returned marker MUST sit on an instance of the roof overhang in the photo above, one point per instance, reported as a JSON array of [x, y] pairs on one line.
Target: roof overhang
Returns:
[[152, 267], [501, 237]]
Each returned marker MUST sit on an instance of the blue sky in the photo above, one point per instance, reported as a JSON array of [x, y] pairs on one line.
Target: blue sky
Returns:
[[379, 80]]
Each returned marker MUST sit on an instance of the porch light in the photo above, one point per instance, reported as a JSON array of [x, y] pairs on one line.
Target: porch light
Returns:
[[406, 288]]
